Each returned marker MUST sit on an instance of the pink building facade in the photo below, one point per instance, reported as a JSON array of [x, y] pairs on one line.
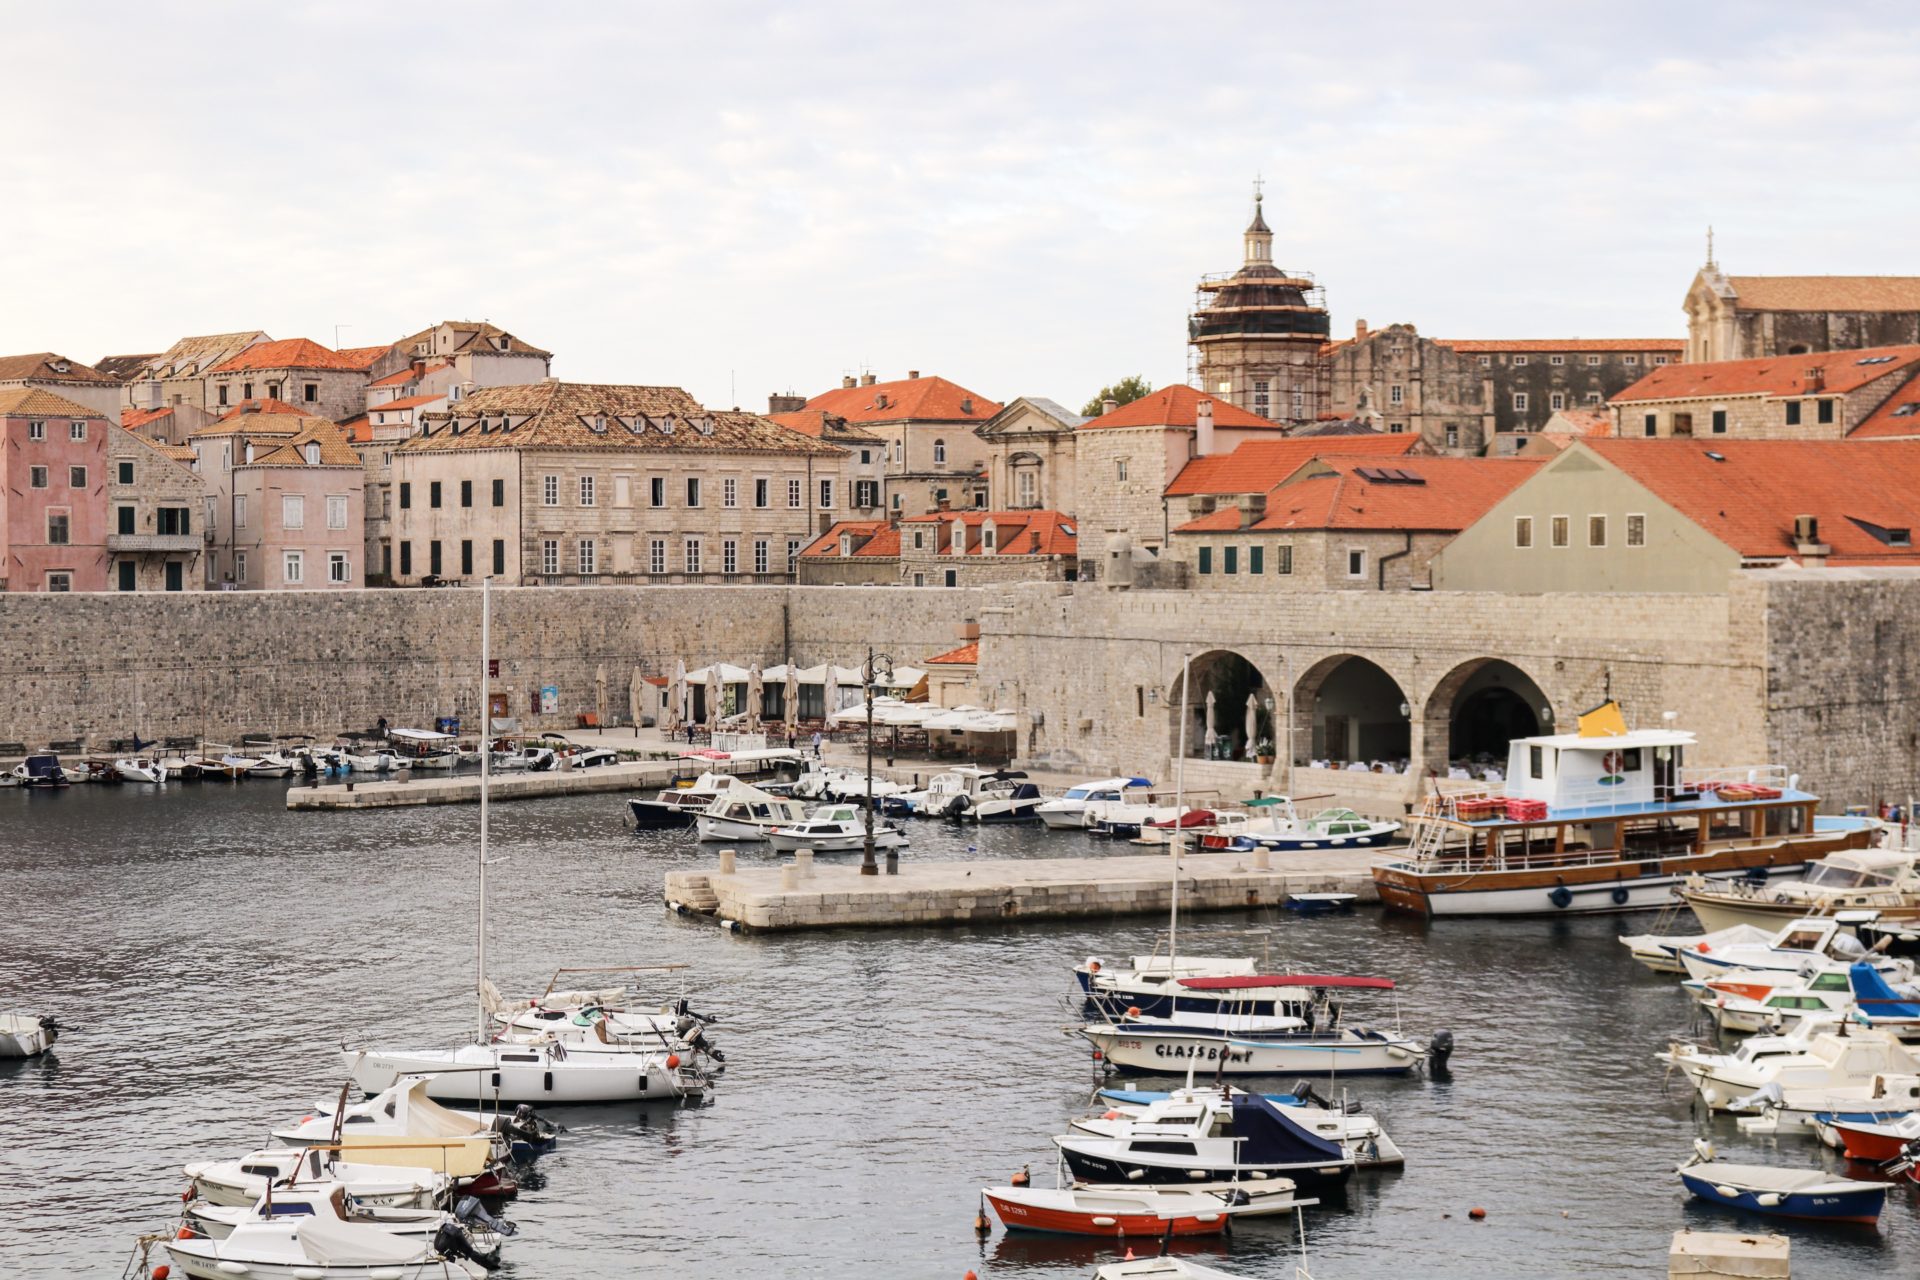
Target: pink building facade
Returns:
[[53, 493]]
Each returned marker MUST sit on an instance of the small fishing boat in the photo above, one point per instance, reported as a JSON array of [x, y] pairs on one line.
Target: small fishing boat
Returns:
[[1131, 1211], [748, 815], [1807, 1074], [1781, 1193], [305, 1247], [328, 1199], [1124, 819], [372, 761], [1162, 1269], [27, 1035], [242, 1182], [591, 758], [1259, 1143], [1185, 1114], [40, 771], [1882, 880], [1661, 952], [1747, 1002], [1873, 1136], [1278, 825], [424, 748], [1321, 904], [140, 769], [681, 804], [271, 765], [1818, 939], [178, 768], [402, 1125], [835, 828], [1068, 811]]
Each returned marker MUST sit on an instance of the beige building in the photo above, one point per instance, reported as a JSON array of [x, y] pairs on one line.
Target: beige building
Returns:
[[1259, 335], [315, 380], [562, 483], [978, 548], [1030, 455], [178, 375], [933, 454], [1748, 317], [285, 504], [864, 553], [68, 379], [476, 354], [866, 452], [1670, 515], [157, 501], [1812, 397]]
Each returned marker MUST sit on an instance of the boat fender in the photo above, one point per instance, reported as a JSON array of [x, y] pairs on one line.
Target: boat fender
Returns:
[[1561, 897], [1134, 1175], [1620, 895], [673, 1062], [1104, 1221], [1198, 1175], [1133, 1011], [1110, 1115], [1724, 1190], [1770, 1199]]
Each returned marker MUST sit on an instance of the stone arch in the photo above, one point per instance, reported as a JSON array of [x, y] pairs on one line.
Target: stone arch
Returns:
[[1232, 678], [1476, 709], [1350, 709]]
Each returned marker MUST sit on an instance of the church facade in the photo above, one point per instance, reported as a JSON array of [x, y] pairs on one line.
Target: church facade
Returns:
[[1259, 335], [1747, 317]]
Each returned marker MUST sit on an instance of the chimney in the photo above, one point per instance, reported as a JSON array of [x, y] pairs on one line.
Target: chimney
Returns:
[[1109, 405], [848, 380], [868, 379], [1817, 378], [788, 403], [1359, 330], [912, 374], [1203, 429]]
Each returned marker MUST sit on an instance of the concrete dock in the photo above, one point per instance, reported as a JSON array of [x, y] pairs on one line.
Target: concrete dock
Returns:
[[760, 894], [644, 775]]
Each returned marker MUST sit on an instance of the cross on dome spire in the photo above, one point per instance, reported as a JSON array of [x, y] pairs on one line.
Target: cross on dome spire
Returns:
[[1259, 238]]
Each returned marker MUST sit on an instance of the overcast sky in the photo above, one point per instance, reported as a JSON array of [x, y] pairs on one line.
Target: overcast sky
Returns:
[[742, 199]]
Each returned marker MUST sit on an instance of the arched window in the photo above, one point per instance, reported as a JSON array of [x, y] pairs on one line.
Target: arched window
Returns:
[[939, 453]]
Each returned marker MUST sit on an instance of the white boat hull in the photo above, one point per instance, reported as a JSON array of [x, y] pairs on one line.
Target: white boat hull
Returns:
[[1172, 1053], [1063, 819], [1643, 893], [481, 1076], [731, 829]]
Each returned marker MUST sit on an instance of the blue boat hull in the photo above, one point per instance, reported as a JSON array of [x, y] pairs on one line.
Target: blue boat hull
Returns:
[[1850, 1206]]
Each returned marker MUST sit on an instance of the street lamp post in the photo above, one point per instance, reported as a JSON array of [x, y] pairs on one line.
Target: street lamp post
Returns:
[[870, 674]]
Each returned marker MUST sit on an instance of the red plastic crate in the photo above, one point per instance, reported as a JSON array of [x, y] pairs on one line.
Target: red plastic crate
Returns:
[[1526, 810]]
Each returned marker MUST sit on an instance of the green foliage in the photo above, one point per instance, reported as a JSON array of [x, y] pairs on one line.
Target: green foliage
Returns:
[[1125, 391]]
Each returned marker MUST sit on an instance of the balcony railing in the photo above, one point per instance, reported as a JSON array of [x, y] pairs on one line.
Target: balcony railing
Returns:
[[168, 543]]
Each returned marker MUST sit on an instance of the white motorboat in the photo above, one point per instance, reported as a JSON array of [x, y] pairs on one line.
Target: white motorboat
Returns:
[[371, 761], [836, 828], [1820, 938], [1826, 1061], [747, 814], [140, 769], [1185, 1114], [1250, 1140], [505, 1073], [1148, 983], [329, 1200], [1280, 826], [1163, 1269], [1125, 819], [1753, 1000], [27, 1035], [1149, 1212], [589, 758], [1883, 880], [1249, 1044], [402, 1125], [992, 795], [306, 1247], [240, 1183], [424, 748], [1009, 797], [1661, 952], [681, 804], [1068, 811], [271, 765], [224, 765], [40, 771]]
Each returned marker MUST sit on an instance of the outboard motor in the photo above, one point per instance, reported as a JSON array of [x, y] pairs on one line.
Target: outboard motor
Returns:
[[52, 1028], [1439, 1054], [956, 806], [682, 1009], [691, 1034], [474, 1214], [452, 1241], [526, 1127]]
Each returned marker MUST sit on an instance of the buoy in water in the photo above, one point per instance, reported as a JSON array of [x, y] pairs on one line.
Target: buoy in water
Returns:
[[162, 1271], [1476, 1213], [1097, 1055]]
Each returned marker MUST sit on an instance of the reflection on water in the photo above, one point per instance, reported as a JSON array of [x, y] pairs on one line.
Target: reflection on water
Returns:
[[210, 952]]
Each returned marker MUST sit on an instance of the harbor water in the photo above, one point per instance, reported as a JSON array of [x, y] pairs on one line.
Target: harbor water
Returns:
[[208, 952]]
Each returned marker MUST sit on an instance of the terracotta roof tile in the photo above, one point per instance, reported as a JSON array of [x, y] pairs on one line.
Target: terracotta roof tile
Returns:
[[399, 379], [823, 425], [297, 353], [1579, 422], [1255, 466], [254, 424], [1750, 495], [1177, 406], [259, 405], [334, 450], [134, 419], [1476, 346], [865, 533], [1446, 494], [929, 399], [1827, 293], [28, 401], [469, 333], [1898, 417], [1841, 372], [358, 430], [561, 415], [197, 354], [967, 655], [45, 366], [1016, 533], [409, 402]]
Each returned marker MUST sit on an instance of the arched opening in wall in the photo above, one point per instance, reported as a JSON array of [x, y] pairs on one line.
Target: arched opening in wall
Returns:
[[1476, 711], [1797, 349], [1352, 715], [1239, 719]]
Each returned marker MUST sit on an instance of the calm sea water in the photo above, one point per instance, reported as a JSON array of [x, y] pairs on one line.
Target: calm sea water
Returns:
[[210, 951]]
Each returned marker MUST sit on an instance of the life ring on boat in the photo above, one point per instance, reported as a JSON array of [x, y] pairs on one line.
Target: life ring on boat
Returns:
[[1620, 895], [1561, 897]]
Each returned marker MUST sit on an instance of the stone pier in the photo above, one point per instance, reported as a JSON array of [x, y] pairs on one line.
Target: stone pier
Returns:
[[776, 895], [645, 775]]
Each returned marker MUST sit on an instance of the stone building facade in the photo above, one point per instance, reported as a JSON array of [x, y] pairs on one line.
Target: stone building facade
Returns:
[[95, 391], [932, 452], [156, 504], [1827, 396], [315, 380], [575, 484], [975, 548], [1462, 396], [1030, 455], [1259, 333], [178, 375], [1747, 317], [285, 497]]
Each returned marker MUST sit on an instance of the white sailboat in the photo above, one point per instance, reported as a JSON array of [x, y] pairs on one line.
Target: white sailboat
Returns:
[[511, 1066]]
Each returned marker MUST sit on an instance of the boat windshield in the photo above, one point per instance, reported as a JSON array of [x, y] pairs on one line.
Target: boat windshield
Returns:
[[1077, 793], [1832, 875]]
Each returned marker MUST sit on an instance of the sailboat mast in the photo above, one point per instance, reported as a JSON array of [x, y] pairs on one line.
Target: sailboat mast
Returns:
[[1179, 832], [486, 766]]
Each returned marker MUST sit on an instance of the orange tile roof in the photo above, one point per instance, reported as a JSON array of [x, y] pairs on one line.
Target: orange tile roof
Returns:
[[1255, 466], [401, 378], [1333, 492], [1016, 533], [1581, 422], [827, 545], [1898, 417], [134, 419], [334, 451], [260, 404], [363, 357], [254, 424], [967, 655], [43, 366], [25, 401], [929, 399], [409, 402], [1177, 406], [1750, 495], [359, 430], [1827, 293], [1842, 371], [296, 353], [1665, 346]]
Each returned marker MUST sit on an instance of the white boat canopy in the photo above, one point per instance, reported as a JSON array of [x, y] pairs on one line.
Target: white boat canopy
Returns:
[[419, 735], [729, 674]]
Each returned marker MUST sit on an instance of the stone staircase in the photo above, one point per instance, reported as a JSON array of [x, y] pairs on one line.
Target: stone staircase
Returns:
[[694, 892]]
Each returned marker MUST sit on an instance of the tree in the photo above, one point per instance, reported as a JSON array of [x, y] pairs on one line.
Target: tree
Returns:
[[1125, 391]]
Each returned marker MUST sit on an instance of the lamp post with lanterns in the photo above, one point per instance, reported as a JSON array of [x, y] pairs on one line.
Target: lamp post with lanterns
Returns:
[[879, 665]]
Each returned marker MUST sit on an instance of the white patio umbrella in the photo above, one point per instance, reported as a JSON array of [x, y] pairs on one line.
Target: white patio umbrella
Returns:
[[753, 697], [1253, 723], [713, 695]]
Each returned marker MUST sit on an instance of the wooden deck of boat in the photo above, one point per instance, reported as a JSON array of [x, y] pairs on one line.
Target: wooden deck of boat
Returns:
[[761, 895]]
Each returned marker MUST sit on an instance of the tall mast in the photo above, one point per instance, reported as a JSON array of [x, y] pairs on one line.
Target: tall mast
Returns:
[[1179, 802], [486, 766]]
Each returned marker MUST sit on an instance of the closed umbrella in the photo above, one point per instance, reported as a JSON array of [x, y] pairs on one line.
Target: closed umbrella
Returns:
[[831, 696], [1212, 732], [636, 700], [713, 696], [790, 698], [753, 697], [1253, 723], [676, 713], [600, 696]]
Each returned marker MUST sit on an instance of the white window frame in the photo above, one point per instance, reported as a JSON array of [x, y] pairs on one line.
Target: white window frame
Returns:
[[550, 491], [1356, 570], [826, 493], [1636, 523], [656, 491], [293, 511], [729, 556], [587, 556], [1519, 402], [1396, 394], [76, 430], [694, 492], [239, 510], [1556, 359], [1634, 360], [939, 453], [657, 555], [1486, 362], [1597, 524], [729, 492], [762, 493], [762, 555], [690, 553], [1593, 362], [796, 493], [1559, 532], [588, 494], [793, 553], [550, 556], [1523, 533], [293, 567], [1519, 361], [239, 567], [336, 511], [60, 580], [1660, 359], [1120, 469], [36, 430], [1557, 400], [338, 568]]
